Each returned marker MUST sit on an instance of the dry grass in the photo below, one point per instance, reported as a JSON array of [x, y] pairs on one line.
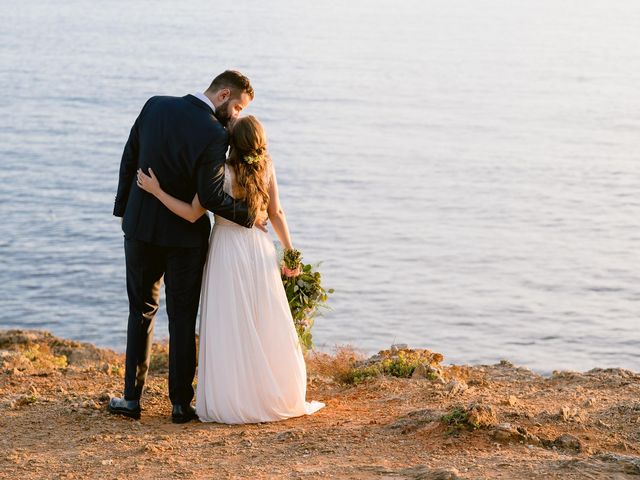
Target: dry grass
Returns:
[[338, 366]]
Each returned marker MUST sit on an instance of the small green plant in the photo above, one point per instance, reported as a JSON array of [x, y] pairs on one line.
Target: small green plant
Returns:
[[401, 365], [32, 353], [432, 376], [359, 375], [474, 417], [27, 400], [44, 357], [457, 419], [397, 363]]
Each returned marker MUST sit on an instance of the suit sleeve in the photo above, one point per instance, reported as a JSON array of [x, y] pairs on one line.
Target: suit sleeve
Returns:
[[128, 167], [210, 182]]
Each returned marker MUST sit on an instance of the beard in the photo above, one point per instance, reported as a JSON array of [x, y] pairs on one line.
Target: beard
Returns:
[[222, 113]]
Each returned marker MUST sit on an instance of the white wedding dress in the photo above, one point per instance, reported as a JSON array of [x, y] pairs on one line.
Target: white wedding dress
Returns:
[[250, 364]]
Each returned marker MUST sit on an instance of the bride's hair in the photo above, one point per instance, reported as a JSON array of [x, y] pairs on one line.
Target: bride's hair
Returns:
[[251, 163]]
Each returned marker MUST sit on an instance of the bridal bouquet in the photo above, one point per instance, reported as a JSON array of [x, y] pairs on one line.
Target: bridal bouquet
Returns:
[[305, 293]]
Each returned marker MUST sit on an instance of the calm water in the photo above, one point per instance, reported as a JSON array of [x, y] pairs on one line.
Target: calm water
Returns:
[[467, 171]]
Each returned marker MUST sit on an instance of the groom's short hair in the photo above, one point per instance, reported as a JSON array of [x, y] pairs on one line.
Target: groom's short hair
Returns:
[[234, 81]]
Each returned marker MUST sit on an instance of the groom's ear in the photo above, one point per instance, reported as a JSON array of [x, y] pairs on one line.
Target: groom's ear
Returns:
[[224, 94]]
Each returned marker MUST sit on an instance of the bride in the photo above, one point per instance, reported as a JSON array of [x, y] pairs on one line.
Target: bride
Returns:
[[250, 364]]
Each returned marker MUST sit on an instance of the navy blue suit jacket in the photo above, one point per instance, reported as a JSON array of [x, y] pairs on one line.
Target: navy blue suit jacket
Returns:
[[186, 146]]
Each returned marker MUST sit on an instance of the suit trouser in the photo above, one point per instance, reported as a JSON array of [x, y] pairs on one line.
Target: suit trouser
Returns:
[[182, 270]]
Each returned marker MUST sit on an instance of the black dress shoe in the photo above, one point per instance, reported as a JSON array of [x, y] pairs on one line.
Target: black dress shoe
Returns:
[[183, 413], [128, 408]]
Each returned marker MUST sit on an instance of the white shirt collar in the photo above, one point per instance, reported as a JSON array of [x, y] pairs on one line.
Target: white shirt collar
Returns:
[[205, 99]]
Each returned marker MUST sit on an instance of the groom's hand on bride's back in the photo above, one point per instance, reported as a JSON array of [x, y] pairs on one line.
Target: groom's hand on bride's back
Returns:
[[261, 221]]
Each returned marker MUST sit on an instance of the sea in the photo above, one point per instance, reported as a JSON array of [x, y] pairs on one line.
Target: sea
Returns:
[[467, 174]]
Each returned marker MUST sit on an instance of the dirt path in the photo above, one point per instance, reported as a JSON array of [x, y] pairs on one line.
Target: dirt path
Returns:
[[477, 422]]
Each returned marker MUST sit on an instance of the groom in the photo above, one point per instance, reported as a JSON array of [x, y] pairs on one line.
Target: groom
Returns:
[[184, 141]]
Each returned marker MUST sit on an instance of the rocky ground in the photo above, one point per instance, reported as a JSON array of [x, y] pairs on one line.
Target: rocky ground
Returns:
[[446, 422]]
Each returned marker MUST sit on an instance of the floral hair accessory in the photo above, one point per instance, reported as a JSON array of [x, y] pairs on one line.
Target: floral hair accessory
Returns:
[[251, 159]]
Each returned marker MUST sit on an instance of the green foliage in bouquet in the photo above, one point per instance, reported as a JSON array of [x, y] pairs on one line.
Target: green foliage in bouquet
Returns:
[[305, 294]]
